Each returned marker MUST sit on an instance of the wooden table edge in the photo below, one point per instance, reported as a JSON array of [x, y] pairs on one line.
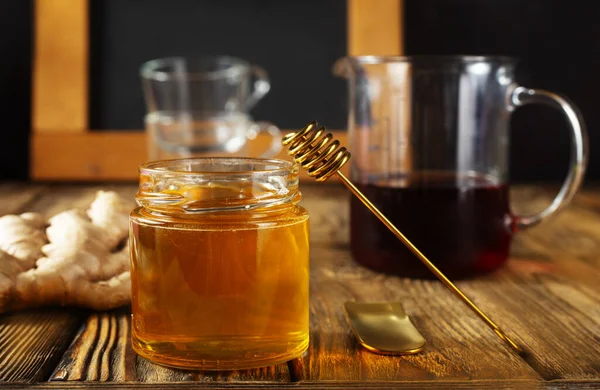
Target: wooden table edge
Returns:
[[438, 384]]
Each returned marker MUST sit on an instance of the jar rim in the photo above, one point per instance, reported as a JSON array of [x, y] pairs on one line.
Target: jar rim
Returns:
[[170, 166], [263, 182]]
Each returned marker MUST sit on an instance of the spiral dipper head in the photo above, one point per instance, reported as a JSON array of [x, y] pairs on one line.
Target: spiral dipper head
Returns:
[[316, 151]]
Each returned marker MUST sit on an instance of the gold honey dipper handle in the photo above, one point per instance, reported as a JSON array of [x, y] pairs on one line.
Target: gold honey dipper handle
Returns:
[[322, 156]]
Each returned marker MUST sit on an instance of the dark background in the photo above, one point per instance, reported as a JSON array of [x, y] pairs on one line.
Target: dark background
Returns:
[[556, 41], [296, 42]]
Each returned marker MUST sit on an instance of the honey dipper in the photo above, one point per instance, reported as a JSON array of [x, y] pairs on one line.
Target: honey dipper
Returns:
[[322, 156]]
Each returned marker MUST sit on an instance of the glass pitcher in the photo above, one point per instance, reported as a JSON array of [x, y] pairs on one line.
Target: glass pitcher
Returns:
[[199, 107], [429, 137]]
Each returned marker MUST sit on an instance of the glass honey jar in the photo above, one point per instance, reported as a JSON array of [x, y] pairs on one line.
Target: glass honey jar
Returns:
[[219, 264]]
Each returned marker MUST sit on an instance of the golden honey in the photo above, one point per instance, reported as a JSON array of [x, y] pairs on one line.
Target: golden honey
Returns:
[[220, 264]]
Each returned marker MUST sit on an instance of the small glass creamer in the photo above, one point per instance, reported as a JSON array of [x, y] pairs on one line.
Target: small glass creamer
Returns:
[[220, 264]]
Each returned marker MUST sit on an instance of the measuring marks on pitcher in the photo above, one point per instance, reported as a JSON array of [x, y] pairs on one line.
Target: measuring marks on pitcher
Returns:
[[383, 144]]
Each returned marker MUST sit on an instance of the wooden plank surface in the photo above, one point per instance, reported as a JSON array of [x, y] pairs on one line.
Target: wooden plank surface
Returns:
[[554, 272], [31, 342], [102, 352], [406, 385], [547, 297], [459, 347]]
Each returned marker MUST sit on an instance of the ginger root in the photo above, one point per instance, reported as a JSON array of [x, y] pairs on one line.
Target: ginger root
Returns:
[[76, 260]]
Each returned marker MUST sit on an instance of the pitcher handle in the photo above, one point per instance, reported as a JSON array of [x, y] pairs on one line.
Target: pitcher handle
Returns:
[[262, 85], [521, 96], [273, 131]]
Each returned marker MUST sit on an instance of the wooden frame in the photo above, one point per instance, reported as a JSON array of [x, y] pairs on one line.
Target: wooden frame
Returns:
[[62, 146]]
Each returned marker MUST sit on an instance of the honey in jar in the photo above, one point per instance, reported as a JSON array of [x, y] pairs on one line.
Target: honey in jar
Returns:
[[220, 264]]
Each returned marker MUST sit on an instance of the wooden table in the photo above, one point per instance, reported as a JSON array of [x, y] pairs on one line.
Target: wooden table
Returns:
[[547, 297]]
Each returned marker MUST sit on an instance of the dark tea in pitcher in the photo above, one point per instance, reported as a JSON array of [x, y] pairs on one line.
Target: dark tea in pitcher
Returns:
[[461, 223]]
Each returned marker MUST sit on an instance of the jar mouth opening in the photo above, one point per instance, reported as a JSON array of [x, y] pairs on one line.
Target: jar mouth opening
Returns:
[[196, 166]]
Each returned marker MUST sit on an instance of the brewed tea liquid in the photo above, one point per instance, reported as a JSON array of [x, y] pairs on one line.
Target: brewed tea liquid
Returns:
[[232, 293], [461, 224]]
